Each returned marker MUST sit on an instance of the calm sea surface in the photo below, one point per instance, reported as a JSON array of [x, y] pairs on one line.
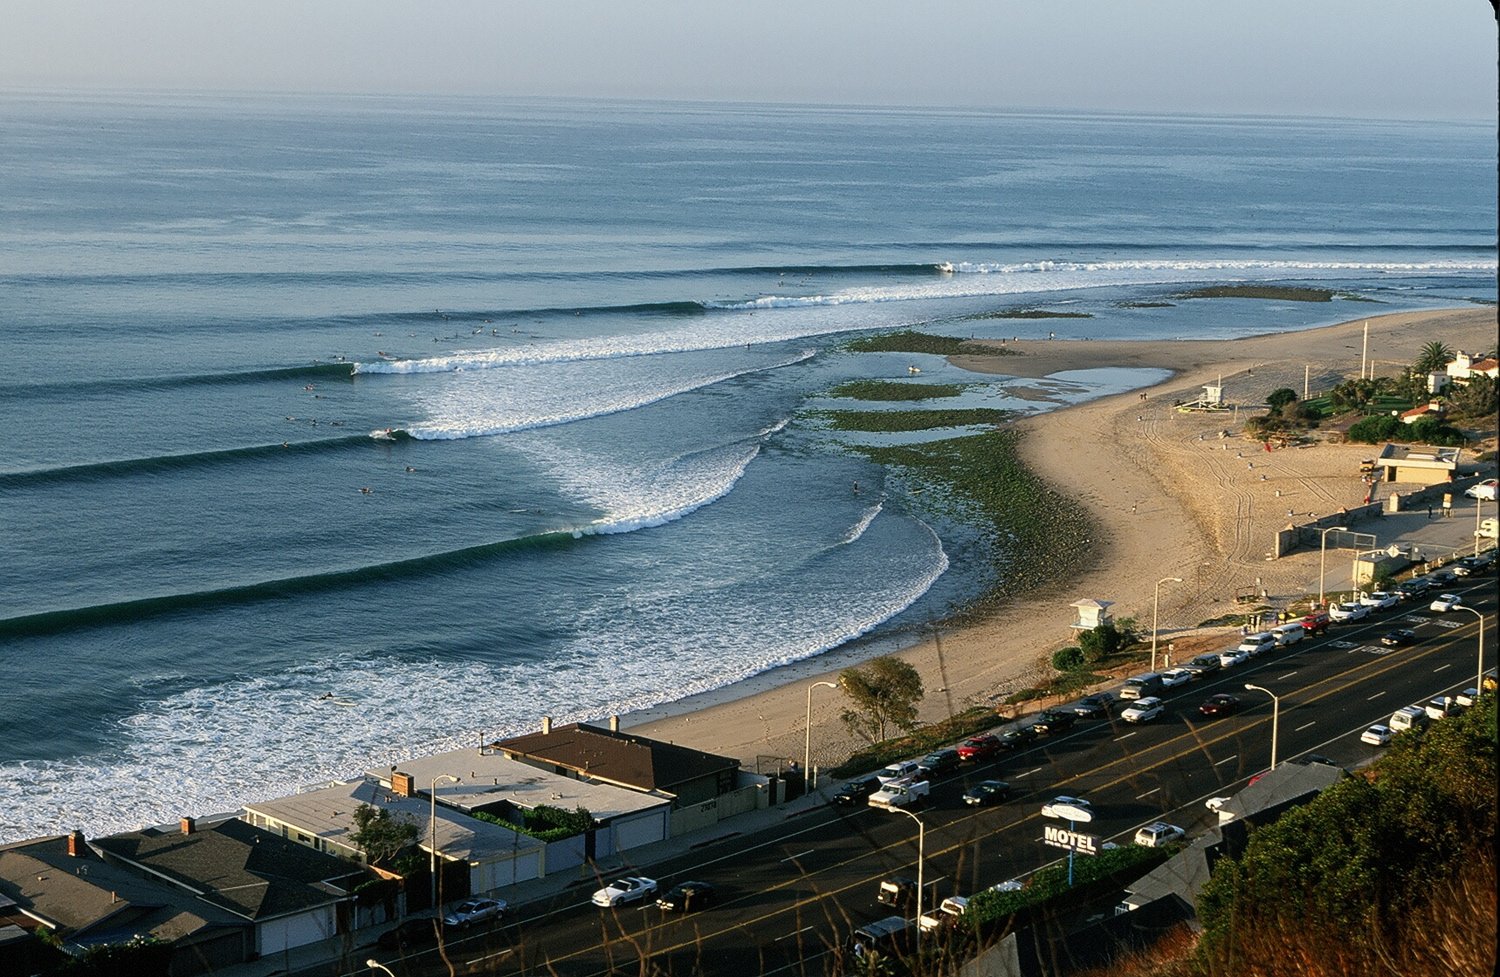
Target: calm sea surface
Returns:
[[337, 431]]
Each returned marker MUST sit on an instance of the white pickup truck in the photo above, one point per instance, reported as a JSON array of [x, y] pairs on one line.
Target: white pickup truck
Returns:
[[907, 792]]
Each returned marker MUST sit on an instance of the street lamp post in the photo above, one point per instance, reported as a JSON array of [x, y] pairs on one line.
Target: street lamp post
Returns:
[[807, 733], [1323, 558], [921, 853], [1275, 717], [432, 827], [1479, 668], [374, 964], [1155, 602]]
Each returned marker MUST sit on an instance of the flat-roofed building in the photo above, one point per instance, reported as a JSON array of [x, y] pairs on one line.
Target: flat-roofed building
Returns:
[[324, 819], [1418, 463]]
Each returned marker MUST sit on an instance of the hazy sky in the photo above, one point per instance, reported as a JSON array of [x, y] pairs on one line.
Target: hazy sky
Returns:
[[1371, 58]]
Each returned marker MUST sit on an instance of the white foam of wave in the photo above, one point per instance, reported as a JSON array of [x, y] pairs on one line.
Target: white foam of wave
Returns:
[[216, 748], [978, 279], [858, 529]]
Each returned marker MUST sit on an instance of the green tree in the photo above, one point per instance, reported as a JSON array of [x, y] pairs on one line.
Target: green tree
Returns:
[[1372, 430], [380, 835], [1068, 659], [1101, 642], [884, 694], [1278, 399], [1476, 398], [1433, 358]]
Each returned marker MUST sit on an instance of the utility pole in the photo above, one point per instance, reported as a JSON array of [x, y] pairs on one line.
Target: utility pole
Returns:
[[1364, 353]]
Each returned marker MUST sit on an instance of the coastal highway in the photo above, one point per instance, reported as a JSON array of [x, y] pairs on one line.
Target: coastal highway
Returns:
[[791, 893]]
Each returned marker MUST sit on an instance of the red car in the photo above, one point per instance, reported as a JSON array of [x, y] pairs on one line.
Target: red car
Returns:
[[1317, 622], [978, 748], [1219, 705]]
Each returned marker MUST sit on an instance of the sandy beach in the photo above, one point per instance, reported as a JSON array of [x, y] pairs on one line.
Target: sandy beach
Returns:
[[1171, 499]]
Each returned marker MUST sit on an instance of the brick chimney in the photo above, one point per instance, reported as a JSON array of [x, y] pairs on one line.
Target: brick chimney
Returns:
[[76, 846], [546, 725], [188, 825], [403, 784]]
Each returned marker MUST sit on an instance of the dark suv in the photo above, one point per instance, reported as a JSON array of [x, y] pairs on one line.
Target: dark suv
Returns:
[[1054, 721], [937, 762], [856, 792]]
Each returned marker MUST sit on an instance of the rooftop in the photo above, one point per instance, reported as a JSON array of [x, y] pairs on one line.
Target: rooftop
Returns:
[[621, 758], [1418, 456]]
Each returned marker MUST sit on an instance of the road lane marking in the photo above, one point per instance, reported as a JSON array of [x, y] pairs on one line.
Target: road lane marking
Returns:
[[1305, 726], [1287, 676], [1141, 797], [1127, 735], [790, 935], [1376, 695], [1441, 667], [490, 956], [1219, 763], [1029, 772], [793, 858]]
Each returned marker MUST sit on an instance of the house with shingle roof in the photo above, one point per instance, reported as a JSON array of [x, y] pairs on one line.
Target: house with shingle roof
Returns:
[[610, 756], [289, 894], [62, 886]]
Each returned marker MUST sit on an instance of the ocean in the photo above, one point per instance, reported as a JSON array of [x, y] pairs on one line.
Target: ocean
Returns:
[[340, 430]]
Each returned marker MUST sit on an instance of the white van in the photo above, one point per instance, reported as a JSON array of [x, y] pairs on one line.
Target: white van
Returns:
[[1289, 634], [1142, 685], [1255, 644], [1409, 717]]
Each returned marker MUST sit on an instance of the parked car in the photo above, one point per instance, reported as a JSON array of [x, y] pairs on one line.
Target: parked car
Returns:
[[1053, 721], [1232, 657], [1143, 710], [1347, 612], [948, 913], [1377, 735], [987, 792], [1174, 677], [1467, 697], [1380, 600], [1468, 566], [1446, 602], [856, 792], [899, 891], [1158, 834], [1258, 643], [1442, 707], [686, 897], [625, 890], [977, 748], [897, 771], [1442, 578], [937, 762], [1204, 664], [1414, 588], [909, 792], [473, 911], [1014, 739], [1095, 706], [1221, 704], [1050, 809], [1316, 623], [889, 937], [410, 933], [1409, 717], [1486, 490], [1149, 683]]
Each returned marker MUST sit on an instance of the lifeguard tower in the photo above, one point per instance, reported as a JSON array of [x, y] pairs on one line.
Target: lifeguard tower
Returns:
[[1091, 614]]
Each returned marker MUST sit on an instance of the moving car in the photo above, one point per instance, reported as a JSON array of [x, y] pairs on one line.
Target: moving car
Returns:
[[685, 897], [1442, 707], [1409, 717], [1258, 643], [1316, 622], [1094, 706], [1467, 697], [1446, 602], [1221, 704], [891, 936], [1050, 809], [1414, 588], [856, 792], [1204, 664], [1380, 600], [1158, 834], [1468, 566], [937, 762], [1377, 735], [1398, 637], [987, 792], [622, 891], [1144, 710], [908, 792], [1174, 677], [1348, 611], [947, 913], [473, 911], [978, 748], [1053, 721], [1233, 657]]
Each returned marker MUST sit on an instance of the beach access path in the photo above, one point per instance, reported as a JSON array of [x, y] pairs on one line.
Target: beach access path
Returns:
[[1170, 498]]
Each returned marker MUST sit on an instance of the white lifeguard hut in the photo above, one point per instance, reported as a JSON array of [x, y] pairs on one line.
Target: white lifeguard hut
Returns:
[[1212, 399], [1091, 614]]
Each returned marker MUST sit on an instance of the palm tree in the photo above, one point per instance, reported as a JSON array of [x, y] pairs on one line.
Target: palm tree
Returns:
[[1433, 358]]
